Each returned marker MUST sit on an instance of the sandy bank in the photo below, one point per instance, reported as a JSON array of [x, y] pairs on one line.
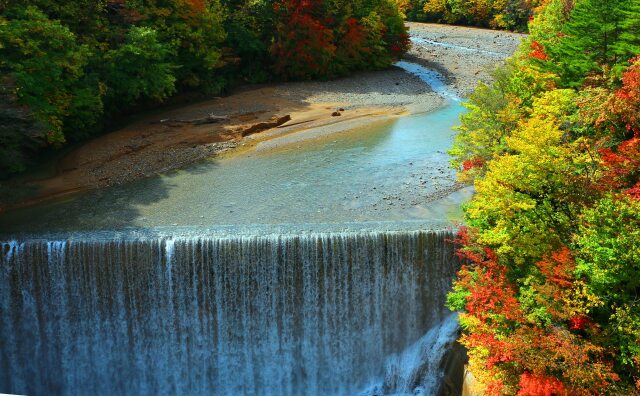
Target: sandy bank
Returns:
[[158, 142]]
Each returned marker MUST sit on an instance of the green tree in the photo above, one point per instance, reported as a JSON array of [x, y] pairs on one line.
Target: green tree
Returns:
[[138, 69], [249, 26], [629, 44], [20, 132], [609, 259], [47, 64], [195, 29], [592, 40]]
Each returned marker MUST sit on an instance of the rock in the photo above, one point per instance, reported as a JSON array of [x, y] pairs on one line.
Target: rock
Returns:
[[263, 126], [453, 364], [336, 114]]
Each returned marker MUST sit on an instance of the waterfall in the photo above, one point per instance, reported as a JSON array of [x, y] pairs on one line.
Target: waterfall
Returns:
[[316, 313], [417, 370]]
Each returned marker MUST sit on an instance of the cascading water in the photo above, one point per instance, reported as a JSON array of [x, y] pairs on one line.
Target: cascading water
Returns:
[[313, 313], [282, 310]]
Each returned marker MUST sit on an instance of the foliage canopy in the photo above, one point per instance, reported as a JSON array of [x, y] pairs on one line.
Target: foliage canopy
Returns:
[[549, 290], [70, 68]]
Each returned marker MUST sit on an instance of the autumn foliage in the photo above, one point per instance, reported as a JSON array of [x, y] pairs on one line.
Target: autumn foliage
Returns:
[[315, 41], [76, 67], [304, 46], [512, 352], [502, 14], [548, 293]]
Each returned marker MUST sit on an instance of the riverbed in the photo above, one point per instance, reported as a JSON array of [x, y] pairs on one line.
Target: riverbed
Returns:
[[392, 170], [147, 147], [312, 260], [385, 168]]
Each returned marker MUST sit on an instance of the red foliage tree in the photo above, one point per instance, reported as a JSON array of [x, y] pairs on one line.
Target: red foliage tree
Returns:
[[540, 385], [537, 51], [352, 52], [627, 98], [621, 168], [520, 355], [475, 162], [621, 164], [303, 46]]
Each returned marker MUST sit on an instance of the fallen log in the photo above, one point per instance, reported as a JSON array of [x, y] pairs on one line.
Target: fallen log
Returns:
[[263, 126], [210, 119]]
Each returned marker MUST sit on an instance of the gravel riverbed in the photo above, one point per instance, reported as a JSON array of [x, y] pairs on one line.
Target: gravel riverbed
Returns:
[[147, 147]]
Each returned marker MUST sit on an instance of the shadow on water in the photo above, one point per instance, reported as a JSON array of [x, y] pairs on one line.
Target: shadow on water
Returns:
[[312, 312], [112, 207], [388, 171]]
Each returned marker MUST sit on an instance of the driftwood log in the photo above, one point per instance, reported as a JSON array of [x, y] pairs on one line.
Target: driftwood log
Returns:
[[210, 119], [263, 126]]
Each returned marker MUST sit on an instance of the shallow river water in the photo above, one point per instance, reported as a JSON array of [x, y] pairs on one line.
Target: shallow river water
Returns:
[[392, 170], [318, 267]]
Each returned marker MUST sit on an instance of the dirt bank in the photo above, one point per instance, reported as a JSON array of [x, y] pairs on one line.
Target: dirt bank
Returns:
[[172, 139]]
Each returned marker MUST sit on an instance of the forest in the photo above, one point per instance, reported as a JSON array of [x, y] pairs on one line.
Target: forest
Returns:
[[495, 14], [72, 69], [550, 293]]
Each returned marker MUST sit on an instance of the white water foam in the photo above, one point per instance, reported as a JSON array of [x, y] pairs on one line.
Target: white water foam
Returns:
[[416, 371], [432, 78], [420, 40], [315, 314]]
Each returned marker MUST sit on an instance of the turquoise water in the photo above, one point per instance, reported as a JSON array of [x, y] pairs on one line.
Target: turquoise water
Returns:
[[318, 267], [393, 170]]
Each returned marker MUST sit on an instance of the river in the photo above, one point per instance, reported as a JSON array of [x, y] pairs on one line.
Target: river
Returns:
[[315, 267]]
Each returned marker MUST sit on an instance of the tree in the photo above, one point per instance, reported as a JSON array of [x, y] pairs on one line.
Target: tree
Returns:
[[629, 44], [549, 292], [20, 132], [497, 14], [591, 41], [303, 47], [47, 64], [511, 350], [195, 29], [139, 69], [60, 60], [328, 38], [609, 247]]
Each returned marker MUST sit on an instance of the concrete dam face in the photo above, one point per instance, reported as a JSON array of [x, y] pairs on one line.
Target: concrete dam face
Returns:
[[347, 313]]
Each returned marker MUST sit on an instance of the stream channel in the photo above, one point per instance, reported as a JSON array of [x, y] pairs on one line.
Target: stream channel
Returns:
[[316, 267]]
